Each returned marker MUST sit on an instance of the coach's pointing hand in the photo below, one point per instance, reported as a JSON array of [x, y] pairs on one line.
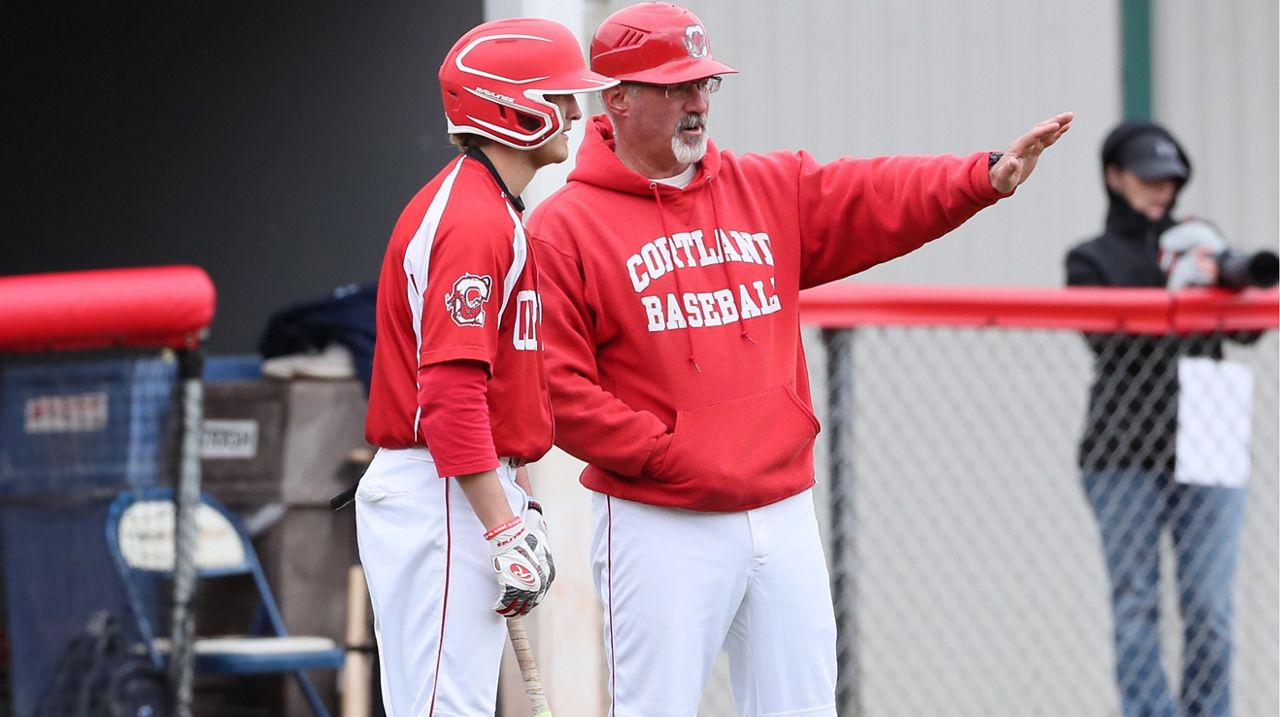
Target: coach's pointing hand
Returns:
[[1021, 157], [522, 562]]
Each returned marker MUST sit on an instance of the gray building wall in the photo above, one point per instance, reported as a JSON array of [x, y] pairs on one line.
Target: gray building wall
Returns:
[[1215, 68], [918, 77]]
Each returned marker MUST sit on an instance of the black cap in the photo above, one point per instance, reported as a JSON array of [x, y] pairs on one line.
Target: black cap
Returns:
[[1153, 156]]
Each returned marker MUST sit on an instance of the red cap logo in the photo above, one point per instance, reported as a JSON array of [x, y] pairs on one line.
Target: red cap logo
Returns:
[[695, 41]]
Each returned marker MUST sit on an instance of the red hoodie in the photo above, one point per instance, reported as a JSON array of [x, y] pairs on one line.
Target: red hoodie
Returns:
[[671, 316]]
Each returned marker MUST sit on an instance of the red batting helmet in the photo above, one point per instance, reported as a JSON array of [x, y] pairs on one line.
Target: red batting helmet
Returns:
[[654, 42], [495, 80]]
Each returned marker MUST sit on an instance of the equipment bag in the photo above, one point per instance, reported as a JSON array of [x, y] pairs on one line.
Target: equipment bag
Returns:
[[104, 673]]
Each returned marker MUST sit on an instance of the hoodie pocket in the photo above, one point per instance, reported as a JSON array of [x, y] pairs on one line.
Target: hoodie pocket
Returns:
[[717, 448]]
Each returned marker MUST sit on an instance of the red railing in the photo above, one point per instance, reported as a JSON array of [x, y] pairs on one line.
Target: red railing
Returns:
[[1146, 311]]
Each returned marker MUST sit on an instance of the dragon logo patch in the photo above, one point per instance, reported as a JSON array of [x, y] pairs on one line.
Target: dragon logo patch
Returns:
[[465, 301]]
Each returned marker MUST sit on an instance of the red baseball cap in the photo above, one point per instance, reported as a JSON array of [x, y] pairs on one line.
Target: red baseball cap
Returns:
[[654, 42]]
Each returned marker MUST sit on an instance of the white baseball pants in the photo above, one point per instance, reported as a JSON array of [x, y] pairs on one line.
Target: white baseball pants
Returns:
[[432, 587], [679, 586]]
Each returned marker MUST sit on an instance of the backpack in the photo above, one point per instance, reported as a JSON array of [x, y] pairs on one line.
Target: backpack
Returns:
[[105, 673]]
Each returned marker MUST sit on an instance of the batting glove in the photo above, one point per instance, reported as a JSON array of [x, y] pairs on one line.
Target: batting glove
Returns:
[[537, 525], [519, 557]]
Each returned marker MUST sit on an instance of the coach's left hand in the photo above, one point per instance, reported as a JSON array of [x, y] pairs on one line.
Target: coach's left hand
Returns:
[[1020, 159]]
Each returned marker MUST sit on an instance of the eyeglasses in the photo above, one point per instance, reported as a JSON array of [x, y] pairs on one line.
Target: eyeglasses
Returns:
[[686, 90]]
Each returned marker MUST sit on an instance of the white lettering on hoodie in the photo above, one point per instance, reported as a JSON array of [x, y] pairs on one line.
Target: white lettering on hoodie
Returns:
[[699, 309], [687, 250], [702, 309]]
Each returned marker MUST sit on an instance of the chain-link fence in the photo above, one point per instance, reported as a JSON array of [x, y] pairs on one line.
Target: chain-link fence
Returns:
[[76, 431], [79, 426], [1028, 519]]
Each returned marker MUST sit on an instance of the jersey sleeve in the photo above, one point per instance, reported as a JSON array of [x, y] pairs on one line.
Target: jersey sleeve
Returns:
[[455, 417], [463, 298]]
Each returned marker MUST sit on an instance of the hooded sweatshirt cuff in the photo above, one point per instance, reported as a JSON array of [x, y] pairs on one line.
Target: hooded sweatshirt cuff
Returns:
[[980, 179]]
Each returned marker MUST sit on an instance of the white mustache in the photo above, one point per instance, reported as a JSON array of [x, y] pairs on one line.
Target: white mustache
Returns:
[[692, 122]]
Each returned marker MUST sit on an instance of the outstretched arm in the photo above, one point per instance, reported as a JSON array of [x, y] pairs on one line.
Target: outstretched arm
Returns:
[[1020, 159]]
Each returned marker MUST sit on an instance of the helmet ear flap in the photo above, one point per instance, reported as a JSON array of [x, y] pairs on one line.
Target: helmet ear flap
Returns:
[[451, 99]]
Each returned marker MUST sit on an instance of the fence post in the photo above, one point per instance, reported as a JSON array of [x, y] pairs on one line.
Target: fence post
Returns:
[[840, 481], [186, 500]]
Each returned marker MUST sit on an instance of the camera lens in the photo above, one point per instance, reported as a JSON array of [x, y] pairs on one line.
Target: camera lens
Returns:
[[1236, 269]]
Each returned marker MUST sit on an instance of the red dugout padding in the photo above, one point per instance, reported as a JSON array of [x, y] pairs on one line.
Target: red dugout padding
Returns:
[[168, 306], [1141, 311]]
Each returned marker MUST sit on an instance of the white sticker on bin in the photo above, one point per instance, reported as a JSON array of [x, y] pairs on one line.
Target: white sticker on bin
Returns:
[[229, 439], [68, 413]]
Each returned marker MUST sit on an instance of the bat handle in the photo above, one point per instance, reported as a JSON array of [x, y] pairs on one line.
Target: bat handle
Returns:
[[528, 667]]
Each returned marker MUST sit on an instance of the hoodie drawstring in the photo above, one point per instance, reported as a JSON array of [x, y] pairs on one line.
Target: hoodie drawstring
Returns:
[[662, 219], [724, 265]]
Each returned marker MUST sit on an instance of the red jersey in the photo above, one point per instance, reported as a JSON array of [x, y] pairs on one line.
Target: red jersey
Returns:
[[459, 282], [673, 327]]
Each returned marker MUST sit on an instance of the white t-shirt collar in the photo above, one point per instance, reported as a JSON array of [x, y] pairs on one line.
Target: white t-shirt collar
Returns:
[[681, 180]]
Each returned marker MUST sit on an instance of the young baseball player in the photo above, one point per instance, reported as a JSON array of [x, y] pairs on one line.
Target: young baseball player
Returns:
[[459, 401], [677, 372]]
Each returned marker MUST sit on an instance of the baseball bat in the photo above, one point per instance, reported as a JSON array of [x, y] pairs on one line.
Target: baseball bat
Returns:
[[357, 672], [528, 667]]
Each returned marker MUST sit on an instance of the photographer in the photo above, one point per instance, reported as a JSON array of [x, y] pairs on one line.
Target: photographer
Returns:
[[1127, 452]]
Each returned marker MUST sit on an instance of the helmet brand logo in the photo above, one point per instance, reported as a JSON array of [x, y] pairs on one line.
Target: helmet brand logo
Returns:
[[695, 41], [493, 95]]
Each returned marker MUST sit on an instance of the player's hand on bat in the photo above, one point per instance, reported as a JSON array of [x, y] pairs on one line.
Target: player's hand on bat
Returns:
[[537, 525], [1020, 159], [522, 565]]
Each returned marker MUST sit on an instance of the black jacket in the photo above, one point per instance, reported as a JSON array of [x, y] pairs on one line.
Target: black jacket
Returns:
[[1133, 402]]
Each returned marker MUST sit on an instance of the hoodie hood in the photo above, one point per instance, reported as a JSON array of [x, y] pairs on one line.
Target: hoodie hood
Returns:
[[1125, 221], [598, 164]]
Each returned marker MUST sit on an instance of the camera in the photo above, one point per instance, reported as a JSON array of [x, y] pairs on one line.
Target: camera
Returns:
[[1181, 244]]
